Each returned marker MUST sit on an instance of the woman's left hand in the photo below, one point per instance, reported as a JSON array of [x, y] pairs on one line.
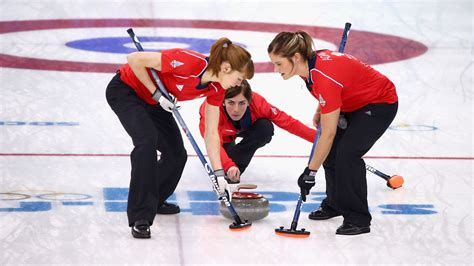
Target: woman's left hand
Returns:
[[233, 174]]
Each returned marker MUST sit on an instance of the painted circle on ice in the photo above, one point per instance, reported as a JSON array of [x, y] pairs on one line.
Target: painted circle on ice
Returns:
[[13, 196], [372, 48], [407, 127], [64, 196], [124, 45]]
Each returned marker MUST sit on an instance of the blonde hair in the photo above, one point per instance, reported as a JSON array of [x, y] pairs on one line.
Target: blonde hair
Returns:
[[223, 50], [287, 44]]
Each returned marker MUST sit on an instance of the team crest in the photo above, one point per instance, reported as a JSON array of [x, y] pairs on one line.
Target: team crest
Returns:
[[176, 63], [179, 87]]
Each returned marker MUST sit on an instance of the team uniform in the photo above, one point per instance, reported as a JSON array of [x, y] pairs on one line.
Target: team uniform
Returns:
[[369, 103], [152, 128], [255, 128]]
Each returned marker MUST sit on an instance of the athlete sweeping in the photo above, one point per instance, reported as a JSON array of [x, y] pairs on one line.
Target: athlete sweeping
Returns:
[[369, 101], [248, 115], [146, 116]]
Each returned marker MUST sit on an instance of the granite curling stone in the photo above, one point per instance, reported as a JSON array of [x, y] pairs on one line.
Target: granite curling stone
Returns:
[[249, 206]]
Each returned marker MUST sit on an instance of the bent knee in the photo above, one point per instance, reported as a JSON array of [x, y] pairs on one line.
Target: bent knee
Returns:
[[265, 129], [177, 155]]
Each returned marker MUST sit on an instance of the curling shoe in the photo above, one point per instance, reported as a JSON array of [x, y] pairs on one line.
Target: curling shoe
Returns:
[[323, 214], [141, 229], [352, 229], [168, 208]]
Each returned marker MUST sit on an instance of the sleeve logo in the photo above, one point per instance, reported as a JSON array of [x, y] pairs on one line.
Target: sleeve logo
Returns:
[[176, 63], [322, 102], [274, 110]]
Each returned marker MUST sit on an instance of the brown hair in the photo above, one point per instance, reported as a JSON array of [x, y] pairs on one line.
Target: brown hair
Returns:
[[244, 88], [223, 50], [287, 44]]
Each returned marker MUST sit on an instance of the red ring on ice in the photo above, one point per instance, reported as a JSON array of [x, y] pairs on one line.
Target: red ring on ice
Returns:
[[372, 48]]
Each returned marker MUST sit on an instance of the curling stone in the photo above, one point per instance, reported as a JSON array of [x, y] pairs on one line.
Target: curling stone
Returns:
[[249, 206]]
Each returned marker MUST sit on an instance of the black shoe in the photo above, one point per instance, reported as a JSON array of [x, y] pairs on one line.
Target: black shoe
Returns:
[[322, 214], [141, 229], [168, 208], [352, 229]]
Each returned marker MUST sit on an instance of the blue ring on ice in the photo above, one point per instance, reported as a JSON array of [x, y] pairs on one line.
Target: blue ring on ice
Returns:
[[124, 45]]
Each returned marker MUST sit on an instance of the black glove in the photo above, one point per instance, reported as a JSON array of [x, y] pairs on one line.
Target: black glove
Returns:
[[306, 181]]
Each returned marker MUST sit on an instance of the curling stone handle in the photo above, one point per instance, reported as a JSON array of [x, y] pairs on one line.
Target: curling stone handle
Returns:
[[246, 186]]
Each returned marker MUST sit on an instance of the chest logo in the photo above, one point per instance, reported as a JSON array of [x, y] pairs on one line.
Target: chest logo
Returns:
[[179, 87]]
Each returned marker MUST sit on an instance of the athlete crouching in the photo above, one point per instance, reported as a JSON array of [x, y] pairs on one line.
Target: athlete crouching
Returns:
[[247, 115]]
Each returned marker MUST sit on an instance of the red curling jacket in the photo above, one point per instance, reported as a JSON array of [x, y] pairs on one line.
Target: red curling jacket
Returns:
[[340, 80]]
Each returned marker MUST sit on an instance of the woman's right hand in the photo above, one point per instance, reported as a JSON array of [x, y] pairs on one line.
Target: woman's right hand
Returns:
[[233, 174]]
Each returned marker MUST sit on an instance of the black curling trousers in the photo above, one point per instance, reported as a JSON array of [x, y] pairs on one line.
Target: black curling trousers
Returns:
[[151, 128], [255, 137], [346, 184]]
